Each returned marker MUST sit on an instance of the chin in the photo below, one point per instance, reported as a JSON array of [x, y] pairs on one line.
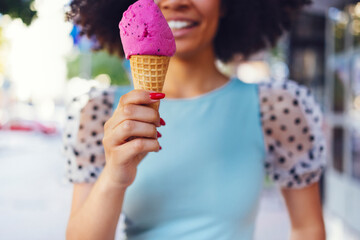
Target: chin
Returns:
[[187, 50], [184, 54]]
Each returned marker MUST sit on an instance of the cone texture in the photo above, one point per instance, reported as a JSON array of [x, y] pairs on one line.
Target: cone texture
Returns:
[[149, 72]]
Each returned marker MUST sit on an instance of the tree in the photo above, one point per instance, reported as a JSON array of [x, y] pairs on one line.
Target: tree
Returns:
[[18, 9]]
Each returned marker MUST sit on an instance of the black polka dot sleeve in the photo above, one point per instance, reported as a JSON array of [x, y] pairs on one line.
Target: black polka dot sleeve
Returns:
[[83, 134], [292, 126]]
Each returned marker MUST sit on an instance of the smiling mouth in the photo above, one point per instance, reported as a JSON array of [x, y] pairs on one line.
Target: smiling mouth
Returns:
[[177, 25]]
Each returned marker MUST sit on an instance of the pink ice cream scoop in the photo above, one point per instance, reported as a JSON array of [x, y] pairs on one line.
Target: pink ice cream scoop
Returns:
[[145, 31]]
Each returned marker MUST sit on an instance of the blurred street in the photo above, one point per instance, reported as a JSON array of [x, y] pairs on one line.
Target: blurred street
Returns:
[[35, 198]]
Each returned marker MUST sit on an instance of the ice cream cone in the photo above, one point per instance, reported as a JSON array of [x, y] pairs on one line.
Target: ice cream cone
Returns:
[[148, 72]]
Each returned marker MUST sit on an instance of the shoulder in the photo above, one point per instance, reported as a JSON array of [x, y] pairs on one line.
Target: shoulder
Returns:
[[86, 111], [83, 132], [101, 98], [290, 101], [241, 88], [292, 126], [276, 91]]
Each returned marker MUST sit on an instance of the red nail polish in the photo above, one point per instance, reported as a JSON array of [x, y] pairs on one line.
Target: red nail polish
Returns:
[[159, 135], [157, 96], [160, 148], [162, 122]]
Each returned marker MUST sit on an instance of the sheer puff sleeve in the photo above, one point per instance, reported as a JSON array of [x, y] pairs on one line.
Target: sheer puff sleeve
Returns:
[[292, 126], [83, 134]]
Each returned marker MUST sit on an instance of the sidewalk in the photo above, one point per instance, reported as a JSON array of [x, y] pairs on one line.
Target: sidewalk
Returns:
[[35, 199]]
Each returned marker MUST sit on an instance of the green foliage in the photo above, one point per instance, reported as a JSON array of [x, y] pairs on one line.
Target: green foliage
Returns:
[[101, 63], [18, 9], [73, 67]]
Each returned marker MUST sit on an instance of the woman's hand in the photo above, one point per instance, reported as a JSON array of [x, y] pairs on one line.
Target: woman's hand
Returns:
[[130, 134]]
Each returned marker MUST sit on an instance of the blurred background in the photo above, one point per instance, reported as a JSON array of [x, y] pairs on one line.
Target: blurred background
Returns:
[[44, 63]]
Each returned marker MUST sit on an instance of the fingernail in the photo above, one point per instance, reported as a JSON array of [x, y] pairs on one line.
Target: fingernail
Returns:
[[160, 148], [162, 122], [157, 96], [159, 135]]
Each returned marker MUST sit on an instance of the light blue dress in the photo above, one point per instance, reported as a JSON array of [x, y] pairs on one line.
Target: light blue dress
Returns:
[[206, 181]]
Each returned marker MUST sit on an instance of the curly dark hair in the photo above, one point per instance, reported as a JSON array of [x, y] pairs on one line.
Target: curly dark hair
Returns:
[[246, 28]]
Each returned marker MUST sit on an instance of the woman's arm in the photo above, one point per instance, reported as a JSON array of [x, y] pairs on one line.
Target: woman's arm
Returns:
[[128, 136], [296, 154], [95, 210], [305, 213]]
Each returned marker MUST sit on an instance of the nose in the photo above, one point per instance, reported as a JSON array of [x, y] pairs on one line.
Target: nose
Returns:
[[173, 4]]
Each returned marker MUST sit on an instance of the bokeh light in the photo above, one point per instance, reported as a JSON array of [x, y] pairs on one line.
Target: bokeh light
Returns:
[[37, 66]]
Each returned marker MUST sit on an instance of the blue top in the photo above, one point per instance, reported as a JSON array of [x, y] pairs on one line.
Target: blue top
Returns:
[[206, 181]]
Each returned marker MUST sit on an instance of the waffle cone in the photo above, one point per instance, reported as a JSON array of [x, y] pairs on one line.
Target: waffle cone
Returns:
[[148, 72]]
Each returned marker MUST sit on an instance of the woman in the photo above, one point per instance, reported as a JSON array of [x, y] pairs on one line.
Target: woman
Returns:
[[205, 180]]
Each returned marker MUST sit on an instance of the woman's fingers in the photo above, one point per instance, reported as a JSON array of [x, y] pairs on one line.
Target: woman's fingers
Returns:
[[129, 129], [136, 113], [131, 133], [130, 150], [131, 106], [140, 97]]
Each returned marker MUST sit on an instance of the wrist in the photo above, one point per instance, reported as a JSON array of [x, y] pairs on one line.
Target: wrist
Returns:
[[109, 184]]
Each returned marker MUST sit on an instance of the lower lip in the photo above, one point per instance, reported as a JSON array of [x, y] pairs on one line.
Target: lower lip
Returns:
[[182, 32]]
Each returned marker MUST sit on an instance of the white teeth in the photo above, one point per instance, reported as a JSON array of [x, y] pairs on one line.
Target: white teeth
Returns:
[[179, 24]]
